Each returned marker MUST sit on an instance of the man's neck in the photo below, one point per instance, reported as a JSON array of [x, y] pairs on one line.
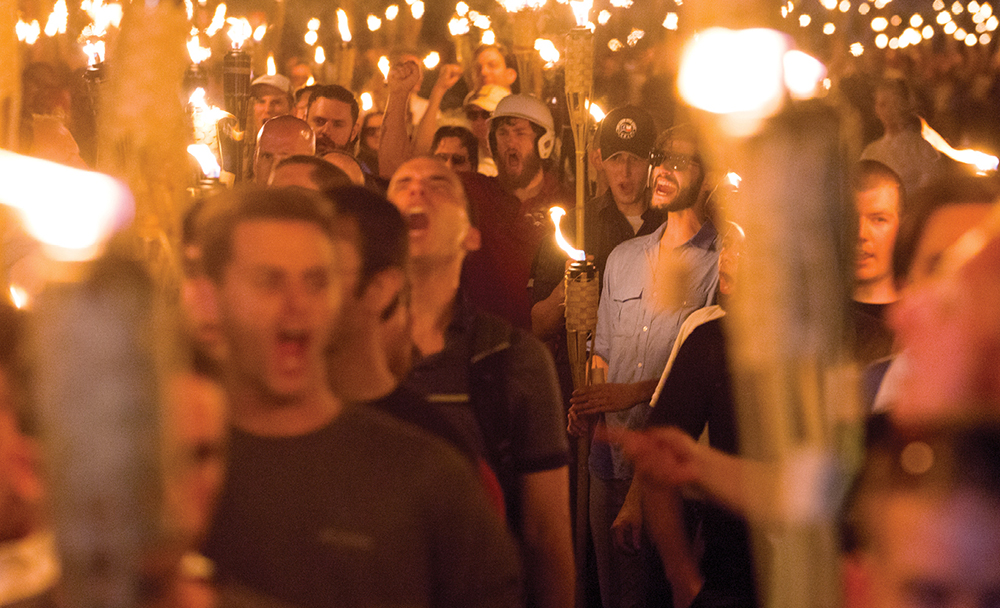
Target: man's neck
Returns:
[[435, 287], [879, 291], [533, 188], [633, 208], [358, 370], [259, 414], [681, 226]]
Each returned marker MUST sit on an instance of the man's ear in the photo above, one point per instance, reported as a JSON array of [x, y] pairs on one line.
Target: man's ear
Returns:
[[473, 239], [383, 290], [510, 75]]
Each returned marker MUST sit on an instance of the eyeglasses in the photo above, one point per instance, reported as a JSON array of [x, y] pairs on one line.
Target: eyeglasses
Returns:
[[474, 114], [369, 131], [673, 162], [456, 159]]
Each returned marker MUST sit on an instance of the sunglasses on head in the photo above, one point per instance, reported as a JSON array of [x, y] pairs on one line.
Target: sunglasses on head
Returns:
[[673, 162]]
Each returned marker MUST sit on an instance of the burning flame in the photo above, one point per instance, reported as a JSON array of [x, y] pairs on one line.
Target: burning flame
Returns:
[[57, 19], [209, 165], [547, 51], [374, 23], [804, 74], [461, 9], [28, 32], [271, 68], [189, 9], [197, 52], [383, 66], [18, 296], [581, 11], [391, 12], [734, 179], [258, 34], [488, 37], [218, 20], [366, 102], [102, 16], [417, 9], [432, 60], [239, 31], [557, 213], [200, 104], [514, 6], [980, 160], [95, 52], [71, 211], [596, 111], [311, 37], [343, 26], [320, 56], [458, 26], [479, 20]]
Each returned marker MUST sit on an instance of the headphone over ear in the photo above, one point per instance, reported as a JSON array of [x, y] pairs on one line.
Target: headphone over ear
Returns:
[[532, 110]]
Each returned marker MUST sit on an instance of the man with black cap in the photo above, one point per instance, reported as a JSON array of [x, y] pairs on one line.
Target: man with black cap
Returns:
[[625, 140]]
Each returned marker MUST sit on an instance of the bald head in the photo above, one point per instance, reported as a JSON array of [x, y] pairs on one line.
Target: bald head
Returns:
[[348, 164], [279, 138]]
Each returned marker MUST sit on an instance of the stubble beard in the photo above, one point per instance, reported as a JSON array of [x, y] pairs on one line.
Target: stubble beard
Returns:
[[530, 166]]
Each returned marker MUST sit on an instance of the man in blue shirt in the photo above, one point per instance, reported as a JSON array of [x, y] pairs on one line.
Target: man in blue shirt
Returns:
[[652, 284]]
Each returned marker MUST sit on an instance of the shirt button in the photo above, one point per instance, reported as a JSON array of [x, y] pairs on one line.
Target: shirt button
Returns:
[[640, 365], [645, 328]]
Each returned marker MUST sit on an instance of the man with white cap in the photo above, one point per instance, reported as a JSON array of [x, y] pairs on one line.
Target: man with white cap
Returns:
[[272, 96], [478, 107]]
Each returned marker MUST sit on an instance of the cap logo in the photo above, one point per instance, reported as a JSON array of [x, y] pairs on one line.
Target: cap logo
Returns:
[[625, 128]]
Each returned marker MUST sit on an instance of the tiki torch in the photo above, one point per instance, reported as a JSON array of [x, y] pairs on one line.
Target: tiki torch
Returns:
[[347, 53], [236, 88], [579, 79]]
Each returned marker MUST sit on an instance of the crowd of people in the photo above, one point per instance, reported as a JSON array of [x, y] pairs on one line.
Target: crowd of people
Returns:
[[378, 407]]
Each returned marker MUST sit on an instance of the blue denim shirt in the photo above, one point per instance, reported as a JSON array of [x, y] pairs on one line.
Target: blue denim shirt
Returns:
[[636, 331]]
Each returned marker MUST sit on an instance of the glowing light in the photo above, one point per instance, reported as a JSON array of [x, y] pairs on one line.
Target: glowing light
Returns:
[[984, 39], [313, 24], [189, 9], [461, 8], [258, 34], [239, 31], [367, 103], [57, 19], [670, 21], [102, 17], [635, 36], [879, 24], [845, 6], [734, 179], [916, 20], [383, 66], [18, 296], [311, 37], [864, 8], [581, 11], [197, 52], [310, 82], [804, 20], [458, 26], [745, 68], [621, 3], [320, 56], [417, 9], [960, 34], [957, 8], [480, 21], [784, 11], [203, 154], [374, 23], [992, 23], [218, 20], [432, 60], [514, 6], [829, 4], [596, 111], [980, 160], [604, 16], [488, 37], [94, 51], [547, 51], [971, 40], [803, 74], [950, 28], [881, 41], [896, 20], [857, 49], [880, 4], [938, 5], [615, 44], [342, 26], [829, 28], [894, 43], [391, 12], [557, 213], [943, 18], [973, 6], [72, 212], [28, 32], [927, 33]]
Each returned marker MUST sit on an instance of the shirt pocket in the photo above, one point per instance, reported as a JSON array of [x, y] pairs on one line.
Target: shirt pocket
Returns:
[[629, 307]]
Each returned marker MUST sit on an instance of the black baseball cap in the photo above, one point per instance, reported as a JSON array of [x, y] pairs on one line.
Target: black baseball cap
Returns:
[[627, 129]]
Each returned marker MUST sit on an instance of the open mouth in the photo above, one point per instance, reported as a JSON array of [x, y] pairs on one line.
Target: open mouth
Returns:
[[417, 220], [292, 346]]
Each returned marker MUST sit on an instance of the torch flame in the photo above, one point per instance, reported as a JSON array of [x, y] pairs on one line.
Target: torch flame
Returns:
[[218, 20], [197, 52], [57, 19], [203, 154], [71, 211], [271, 68], [258, 34], [383, 66], [367, 103], [343, 26], [28, 32], [94, 52], [581, 11], [19, 296], [239, 31], [980, 160], [596, 111], [557, 213], [514, 6], [320, 55]]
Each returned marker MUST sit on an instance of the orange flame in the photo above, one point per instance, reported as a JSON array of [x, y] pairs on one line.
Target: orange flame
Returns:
[[982, 161], [557, 213]]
